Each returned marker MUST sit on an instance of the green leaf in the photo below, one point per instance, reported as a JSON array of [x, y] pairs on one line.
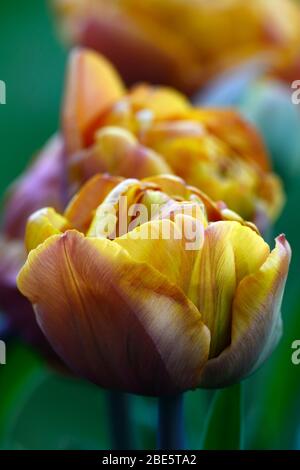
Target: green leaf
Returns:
[[198, 405], [23, 371], [40, 409], [62, 412], [224, 425]]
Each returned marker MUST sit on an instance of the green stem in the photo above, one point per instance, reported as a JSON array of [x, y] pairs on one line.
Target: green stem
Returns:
[[119, 420], [171, 423]]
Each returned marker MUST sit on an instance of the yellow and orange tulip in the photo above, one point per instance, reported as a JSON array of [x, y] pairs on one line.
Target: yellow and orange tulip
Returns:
[[185, 43], [142, 132], [145, 314], [150, 130]]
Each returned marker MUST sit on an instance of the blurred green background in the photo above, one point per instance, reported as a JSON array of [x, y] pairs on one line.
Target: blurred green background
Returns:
[[39, 409]]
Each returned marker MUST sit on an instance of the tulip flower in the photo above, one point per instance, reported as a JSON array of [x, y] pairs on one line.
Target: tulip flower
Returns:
[[132, 304], [142, 132], [148, 131], [41, 184], [184, 43]]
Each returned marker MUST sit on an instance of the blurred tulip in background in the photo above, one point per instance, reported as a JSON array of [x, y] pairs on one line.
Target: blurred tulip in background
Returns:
[[184, 43]]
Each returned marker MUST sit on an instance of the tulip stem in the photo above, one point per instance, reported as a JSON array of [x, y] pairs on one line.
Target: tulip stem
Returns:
[[171, 423], [119, 419]]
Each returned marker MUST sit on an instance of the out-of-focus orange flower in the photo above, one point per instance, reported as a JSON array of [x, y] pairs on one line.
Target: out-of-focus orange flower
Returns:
[[184, 43], [152, 130], [132, 307]]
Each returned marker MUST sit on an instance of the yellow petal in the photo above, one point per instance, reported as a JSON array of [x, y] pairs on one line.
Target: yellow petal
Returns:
[[241, 136], [171, 129], [177, 189], [256, 321], [117, 152], [105, 221], [164, 245], [230, 252], [80, 210], [172, 185], [163, 102], [92, 87], [43, 224], [117, 322]]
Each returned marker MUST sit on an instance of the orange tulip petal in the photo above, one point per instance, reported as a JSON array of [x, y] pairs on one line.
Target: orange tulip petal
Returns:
[[92, 87], [80, 210], [117, 322]]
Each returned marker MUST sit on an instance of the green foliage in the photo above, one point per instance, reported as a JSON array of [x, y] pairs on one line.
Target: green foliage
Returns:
[[224, 424], [32, 66], [24, 373]]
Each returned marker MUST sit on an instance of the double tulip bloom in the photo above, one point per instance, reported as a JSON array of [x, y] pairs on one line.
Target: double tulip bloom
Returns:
[[138, 306], [143, 132], [184, 43], [149, 131]]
